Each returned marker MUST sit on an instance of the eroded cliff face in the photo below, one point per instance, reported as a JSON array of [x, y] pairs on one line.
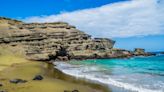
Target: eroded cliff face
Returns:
[[59, 40]]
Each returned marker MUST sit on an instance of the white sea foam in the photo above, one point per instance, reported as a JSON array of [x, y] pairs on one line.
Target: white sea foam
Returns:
[[88, 73]]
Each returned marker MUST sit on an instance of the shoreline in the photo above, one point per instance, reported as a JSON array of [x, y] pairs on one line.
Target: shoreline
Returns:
[[63, 76]]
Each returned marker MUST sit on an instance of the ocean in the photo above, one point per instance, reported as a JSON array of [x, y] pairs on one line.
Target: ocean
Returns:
[[136, 74]]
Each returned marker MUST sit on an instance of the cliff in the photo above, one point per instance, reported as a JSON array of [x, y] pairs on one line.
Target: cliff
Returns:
[[56, 41]]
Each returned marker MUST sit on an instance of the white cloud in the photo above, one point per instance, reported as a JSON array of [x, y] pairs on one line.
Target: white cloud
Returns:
[[123, 19]]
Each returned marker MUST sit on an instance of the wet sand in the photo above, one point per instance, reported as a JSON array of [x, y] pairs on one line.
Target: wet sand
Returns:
[[55, 73]]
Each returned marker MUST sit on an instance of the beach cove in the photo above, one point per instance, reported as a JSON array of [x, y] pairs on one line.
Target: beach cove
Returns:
[[59, 57]]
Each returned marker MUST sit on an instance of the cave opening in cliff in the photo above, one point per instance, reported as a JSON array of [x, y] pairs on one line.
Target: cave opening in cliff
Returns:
[[61, 54]]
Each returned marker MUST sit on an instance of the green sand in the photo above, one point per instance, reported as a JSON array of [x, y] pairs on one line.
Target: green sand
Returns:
[[27, 71], [10, 55]]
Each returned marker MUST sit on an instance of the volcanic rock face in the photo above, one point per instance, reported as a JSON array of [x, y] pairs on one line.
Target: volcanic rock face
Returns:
[[59, 40]]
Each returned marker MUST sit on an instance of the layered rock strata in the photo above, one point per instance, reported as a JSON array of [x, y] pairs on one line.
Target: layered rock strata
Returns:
[[56, 41]]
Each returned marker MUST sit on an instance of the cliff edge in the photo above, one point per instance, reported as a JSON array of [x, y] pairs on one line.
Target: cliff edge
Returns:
[[57, 41]]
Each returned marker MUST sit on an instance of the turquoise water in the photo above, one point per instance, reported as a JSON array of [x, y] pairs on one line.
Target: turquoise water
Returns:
[[150, 65], [137, 74]]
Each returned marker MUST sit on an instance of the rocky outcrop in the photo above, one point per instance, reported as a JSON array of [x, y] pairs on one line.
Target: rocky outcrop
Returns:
[[57, 41], [141, 52]]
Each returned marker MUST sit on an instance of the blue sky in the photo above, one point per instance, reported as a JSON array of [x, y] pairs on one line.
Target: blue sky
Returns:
[[132, 23], [150, 43], [26, 8]]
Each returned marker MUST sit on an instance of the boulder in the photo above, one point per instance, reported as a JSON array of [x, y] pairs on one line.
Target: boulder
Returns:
[[1, 85], [16, 81], [38, 77]]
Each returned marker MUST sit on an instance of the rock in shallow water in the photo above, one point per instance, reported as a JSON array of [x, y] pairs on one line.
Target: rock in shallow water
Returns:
[[17, 81], [38, 77]]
